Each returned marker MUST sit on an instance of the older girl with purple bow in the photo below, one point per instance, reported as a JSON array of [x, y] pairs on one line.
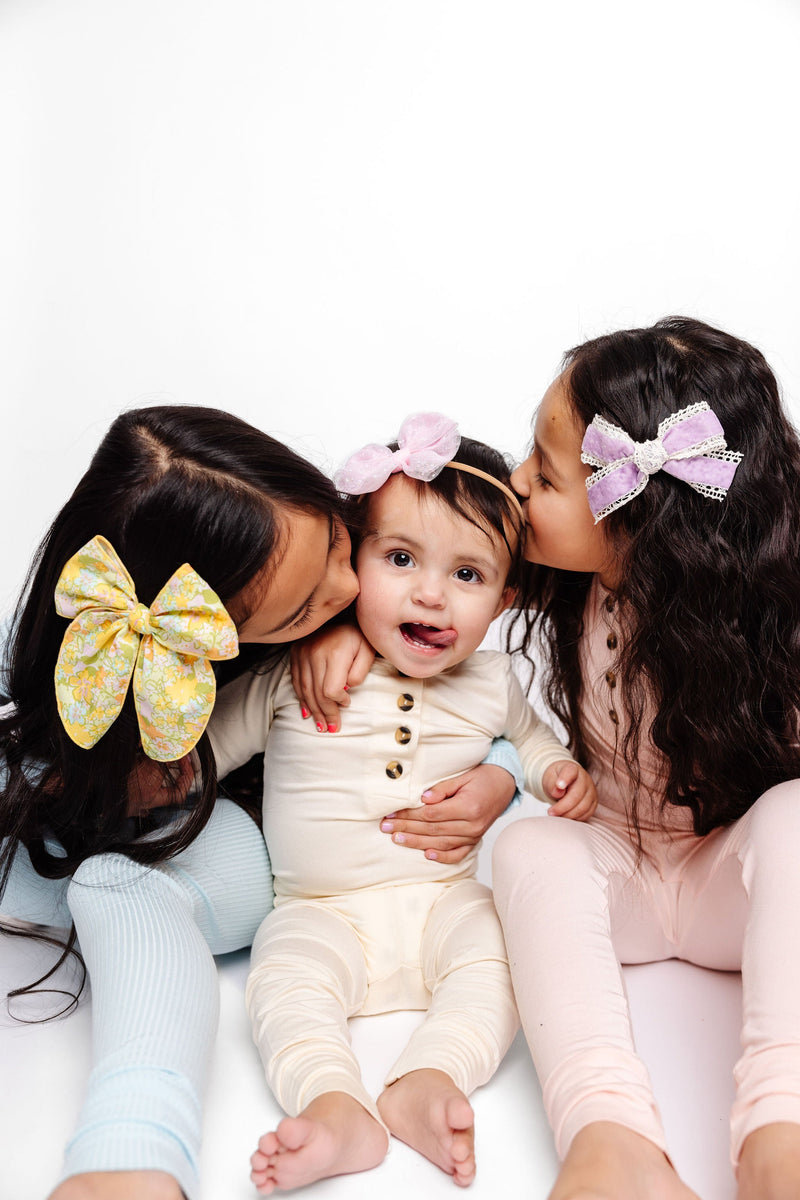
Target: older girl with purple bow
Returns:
[[662, 498], [667, 609]]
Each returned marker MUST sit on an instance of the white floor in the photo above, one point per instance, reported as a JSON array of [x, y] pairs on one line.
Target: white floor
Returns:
[[686, 1021]]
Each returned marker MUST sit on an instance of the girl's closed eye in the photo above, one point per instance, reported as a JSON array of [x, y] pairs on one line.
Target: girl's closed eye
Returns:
[[305, 618], [542, 480]]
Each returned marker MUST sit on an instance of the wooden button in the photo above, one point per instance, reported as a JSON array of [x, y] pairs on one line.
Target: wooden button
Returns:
[[609, 603], [611, 679], [611, 641], [394, 770], [613, 716], [405, 702], [402, 735]]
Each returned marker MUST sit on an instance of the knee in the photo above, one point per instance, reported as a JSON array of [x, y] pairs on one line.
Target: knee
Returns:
[[537, 855], [101, 874], [529, 846], [777, 812]]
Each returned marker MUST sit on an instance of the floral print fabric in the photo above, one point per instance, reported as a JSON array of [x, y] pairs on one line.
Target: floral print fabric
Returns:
[[167, 649]]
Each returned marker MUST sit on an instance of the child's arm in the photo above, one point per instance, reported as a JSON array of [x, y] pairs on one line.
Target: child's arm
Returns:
[[550, 773], [324, 667], [241, 718]]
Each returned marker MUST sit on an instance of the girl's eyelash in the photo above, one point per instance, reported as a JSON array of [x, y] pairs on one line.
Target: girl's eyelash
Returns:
[[301, 621], [337, 534], [540, 479]]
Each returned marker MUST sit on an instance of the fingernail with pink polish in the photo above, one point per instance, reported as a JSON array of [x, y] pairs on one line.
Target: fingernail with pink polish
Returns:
[[399, 837], [320, 727], [387, 826], [331, 729], [304, 713]]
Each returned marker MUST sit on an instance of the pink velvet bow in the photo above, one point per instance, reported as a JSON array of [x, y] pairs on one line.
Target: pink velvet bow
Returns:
[[427, 443]]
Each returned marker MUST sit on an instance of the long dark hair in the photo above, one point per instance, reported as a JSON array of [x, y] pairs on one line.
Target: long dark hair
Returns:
[[167, 485], [709, 591]]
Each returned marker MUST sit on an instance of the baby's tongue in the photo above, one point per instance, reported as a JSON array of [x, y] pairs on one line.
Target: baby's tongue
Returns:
[[431, 635]]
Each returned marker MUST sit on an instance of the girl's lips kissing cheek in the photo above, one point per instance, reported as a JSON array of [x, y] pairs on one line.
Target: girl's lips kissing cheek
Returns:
[[427, 637]]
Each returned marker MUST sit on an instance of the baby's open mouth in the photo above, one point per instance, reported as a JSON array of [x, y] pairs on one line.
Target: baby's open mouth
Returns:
[[427, 635]]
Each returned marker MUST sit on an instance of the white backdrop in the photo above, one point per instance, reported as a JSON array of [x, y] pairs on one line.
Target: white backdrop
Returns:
[[325, 214]]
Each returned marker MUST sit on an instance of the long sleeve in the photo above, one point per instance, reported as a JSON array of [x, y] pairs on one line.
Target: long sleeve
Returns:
[[503, 753], [535, 741], [241, 719]]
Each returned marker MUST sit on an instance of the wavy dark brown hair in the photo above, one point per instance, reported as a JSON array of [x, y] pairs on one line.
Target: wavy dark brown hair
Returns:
[[167, 485], [710, 590]]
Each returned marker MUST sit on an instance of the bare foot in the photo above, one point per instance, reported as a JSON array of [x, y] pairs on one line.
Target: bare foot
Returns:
[[118, 1185], [606, 1161], [334, 1135], [427, 1111], [769, 1166]]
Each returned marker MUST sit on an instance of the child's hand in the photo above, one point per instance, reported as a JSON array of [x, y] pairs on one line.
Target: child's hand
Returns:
[[456, 815], [571, 789], [324, 667]]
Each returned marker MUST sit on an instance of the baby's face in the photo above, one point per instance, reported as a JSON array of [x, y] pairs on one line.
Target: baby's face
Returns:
[[431, 582]]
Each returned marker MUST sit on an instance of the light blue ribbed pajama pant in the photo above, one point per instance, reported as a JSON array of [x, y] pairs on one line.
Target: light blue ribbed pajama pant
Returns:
[[148, 935]]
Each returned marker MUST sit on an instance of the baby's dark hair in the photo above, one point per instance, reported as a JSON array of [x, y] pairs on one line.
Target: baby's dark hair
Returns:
[[475, 499], [709, 588]]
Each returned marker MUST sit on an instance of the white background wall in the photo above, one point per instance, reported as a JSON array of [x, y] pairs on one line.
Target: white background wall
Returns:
[[324, 214]]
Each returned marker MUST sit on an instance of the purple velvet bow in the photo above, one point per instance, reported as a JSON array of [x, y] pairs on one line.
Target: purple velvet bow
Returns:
[[690, 445]]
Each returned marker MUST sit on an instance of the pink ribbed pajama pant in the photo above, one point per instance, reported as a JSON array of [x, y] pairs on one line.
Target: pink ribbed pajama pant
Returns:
[[574, 904]]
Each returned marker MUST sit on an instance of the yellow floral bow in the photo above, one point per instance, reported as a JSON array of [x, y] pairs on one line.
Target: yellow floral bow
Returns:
[[166, 648]]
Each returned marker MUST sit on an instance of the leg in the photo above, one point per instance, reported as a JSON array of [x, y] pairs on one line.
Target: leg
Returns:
[[148, 936], [469, 1026], [308, 976], [561, 889], [766, 1115]]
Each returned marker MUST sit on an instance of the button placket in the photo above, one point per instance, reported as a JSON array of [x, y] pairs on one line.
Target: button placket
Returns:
[[402, 734], [609, 604]]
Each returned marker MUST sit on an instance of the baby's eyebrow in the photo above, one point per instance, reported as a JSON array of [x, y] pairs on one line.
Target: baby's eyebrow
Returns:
[[382, 535]]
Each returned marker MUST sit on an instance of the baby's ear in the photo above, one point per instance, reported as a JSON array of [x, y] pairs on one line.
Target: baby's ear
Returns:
[[506, 600]]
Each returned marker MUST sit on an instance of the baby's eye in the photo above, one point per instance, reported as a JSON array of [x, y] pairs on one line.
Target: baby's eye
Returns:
[[468, 575], [542, 481], [400, 558]]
